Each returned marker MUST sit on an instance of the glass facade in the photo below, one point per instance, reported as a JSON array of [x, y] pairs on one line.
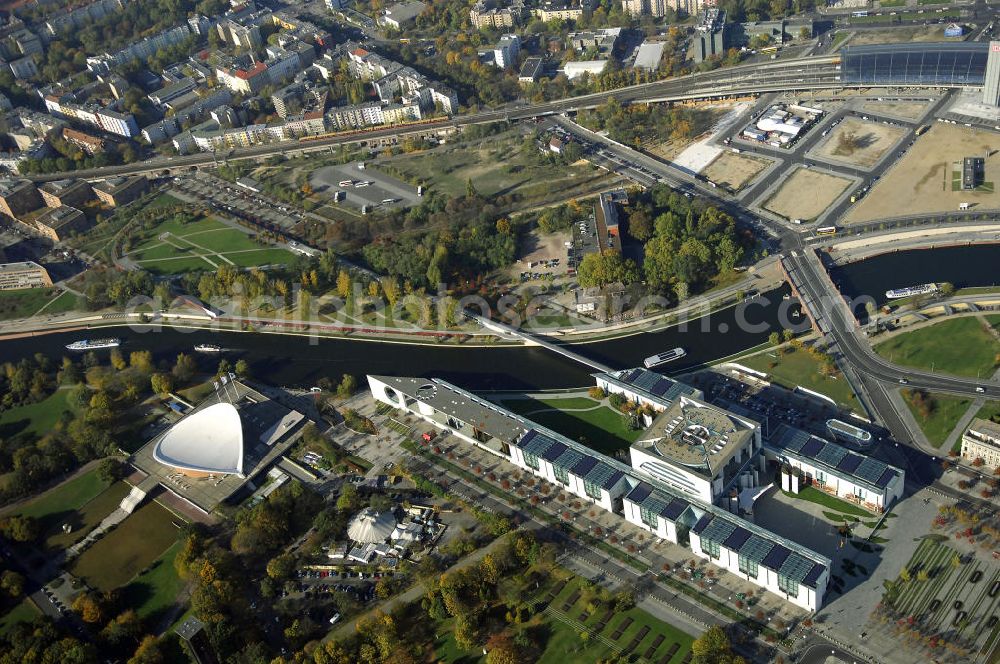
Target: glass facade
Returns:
[[530, 460], [958, 63], [649, 517], [711, 548], [748, 566], [561, 474], [592, 490], [789, 585]]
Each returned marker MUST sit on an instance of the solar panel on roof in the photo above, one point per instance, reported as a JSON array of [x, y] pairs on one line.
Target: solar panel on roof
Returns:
[[775, 557], [600, 474], [538, 444], [583, 467], [655, 502], [719, 530], [647, 380], [887, 476], [639, 493], [796, 439], [756, 548], [849, 463], [871, 469], [568, 459], [813, 576], [796, 567], [674, 510], [702, 523], [737, 539], [831, 454], [812, 447], [631, 375], [555, 451]]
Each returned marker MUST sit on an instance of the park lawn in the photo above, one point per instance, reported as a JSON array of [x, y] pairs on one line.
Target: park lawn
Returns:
[[990, 410], [66, 301], [24, 303], [83, 519], [814, 495], [128, 549], [168, 266], [34, 420], [154, 591], [943, 418], [797, 368], [602, 428], [70, 495], [25, 611], [957, 346], [260, 256], [222, 240]]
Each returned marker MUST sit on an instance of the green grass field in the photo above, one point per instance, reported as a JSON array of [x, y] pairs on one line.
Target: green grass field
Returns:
[[814, 495], [128, 549], [602, 428], [797, 367], [68, 496], [83, 519], [24, 611], [990, 410], [172, 247], [959, 346], [497, 165], [26, 303], [155, 590], [563, 643], [948, 410], [33, 420]]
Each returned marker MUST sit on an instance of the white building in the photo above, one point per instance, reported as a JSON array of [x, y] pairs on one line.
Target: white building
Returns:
[[768, 560], [581, 67], [982, 441], [833, 469]]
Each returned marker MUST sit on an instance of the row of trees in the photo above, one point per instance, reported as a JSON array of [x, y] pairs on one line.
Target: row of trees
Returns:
[[636, 124]]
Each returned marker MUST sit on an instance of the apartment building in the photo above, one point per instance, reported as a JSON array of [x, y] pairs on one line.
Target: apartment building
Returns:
[[117, 191], [58, 223], [18, 197], [982, 441], [68, 192]]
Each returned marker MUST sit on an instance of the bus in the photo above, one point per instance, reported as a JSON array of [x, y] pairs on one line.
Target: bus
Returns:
[[826, 230], [861, 14], [922, 129]]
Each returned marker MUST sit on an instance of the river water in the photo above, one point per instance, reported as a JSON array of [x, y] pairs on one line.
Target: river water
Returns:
[[300, 361]]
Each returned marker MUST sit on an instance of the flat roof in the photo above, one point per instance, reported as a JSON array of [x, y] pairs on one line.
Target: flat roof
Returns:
[[654, 386], [649, 55], [696, 435]]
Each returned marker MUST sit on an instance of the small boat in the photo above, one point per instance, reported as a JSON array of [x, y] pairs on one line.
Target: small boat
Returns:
[[663, 358], [910, 291], [207, 348], [94, 344]]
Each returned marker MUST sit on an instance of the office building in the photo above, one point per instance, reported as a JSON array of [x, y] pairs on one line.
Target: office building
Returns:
[[117, 191], [981, 441], [69, 192], [18, 197], [58, 223], [17, 276], [505, 54]]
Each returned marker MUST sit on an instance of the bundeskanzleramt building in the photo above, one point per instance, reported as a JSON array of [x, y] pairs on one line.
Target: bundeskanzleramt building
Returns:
[[17, 276], [982, 441], [672, 512]]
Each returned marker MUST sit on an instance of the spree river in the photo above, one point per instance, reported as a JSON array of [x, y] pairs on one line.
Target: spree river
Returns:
[[300, 361]]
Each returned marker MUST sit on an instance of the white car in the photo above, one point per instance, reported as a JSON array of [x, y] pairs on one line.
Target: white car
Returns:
[[335, 618]]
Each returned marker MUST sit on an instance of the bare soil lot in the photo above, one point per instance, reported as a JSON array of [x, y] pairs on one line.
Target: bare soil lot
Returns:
[[905, 110], [735, 171], [916, 33], [858, 142], [806, 194], [922, 180]]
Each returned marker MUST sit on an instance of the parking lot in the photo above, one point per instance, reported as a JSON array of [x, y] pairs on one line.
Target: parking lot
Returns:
[[234, 200], [363, 188]]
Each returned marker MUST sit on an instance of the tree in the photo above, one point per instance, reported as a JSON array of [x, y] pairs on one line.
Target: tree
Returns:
[[11, 583], [19, 528], [111, 470], [608, 267], [347, 501], [162, 383], [348, 386], [117, 359], [640, 225], [713, 647], [774, 339], [87, 605], [148, 652], [184, 368], [242, 368], [344, 284], [142, 360]]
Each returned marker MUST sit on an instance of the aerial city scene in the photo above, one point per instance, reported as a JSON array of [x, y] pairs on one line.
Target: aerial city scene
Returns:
[[499, 331]]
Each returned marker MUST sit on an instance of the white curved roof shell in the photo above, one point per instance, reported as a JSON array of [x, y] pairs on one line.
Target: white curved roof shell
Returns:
[[371, 527], [207, 441]]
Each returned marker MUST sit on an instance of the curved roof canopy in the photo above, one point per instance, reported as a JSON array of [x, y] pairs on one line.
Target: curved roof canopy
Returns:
[[371, 527], [207, 441]]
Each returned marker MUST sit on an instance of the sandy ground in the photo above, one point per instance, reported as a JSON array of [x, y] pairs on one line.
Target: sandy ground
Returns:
[[874, 140], [538, 246], [906, 110], [734, 171], [699, 155], [917, 33], [921, 181], [806, 194], [670, 150]]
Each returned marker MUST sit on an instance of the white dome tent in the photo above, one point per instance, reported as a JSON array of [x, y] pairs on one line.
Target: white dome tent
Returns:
[[371, 527]]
